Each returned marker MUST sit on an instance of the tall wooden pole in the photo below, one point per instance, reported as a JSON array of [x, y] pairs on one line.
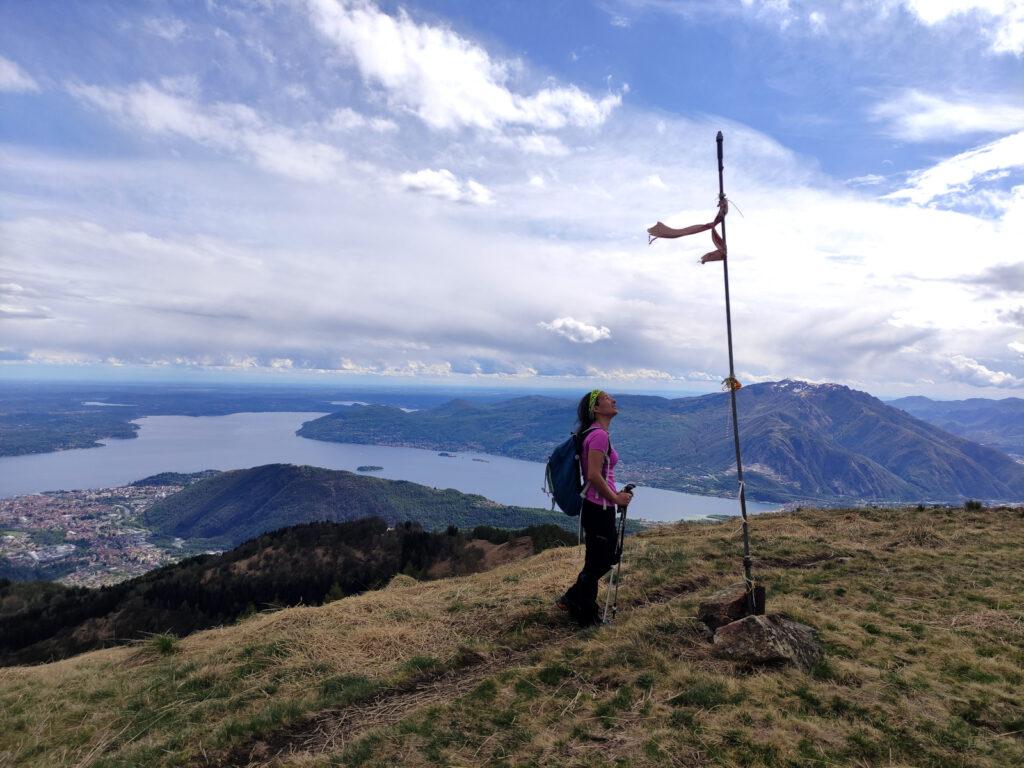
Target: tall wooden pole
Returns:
[[732, 394]]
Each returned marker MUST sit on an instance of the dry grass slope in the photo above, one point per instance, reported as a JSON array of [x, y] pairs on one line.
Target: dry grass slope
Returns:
[[920, 612]]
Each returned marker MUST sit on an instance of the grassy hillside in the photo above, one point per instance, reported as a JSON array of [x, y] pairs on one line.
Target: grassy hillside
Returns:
[[919, 612], [231, 507]]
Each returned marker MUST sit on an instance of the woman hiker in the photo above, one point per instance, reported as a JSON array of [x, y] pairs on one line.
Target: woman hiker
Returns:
[[597, 459]]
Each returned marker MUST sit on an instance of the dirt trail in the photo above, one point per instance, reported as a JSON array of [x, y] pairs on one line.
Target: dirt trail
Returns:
[[330, 731]]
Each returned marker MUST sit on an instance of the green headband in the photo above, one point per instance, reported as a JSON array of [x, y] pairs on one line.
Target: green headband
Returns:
[[593, 399]]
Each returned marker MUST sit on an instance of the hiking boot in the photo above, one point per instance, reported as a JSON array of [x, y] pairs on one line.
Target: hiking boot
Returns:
[[582, 616], [568, 605]]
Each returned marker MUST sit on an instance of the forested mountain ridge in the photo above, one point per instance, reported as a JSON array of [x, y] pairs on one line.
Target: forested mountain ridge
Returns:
[[996, 423], [801, 441], [230, 507], [305, 564]]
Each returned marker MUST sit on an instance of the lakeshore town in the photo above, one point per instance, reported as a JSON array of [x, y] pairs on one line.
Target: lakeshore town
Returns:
[[86, 538]]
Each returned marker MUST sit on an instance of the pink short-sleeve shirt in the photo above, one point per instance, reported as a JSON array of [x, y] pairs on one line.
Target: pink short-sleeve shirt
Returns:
[[598, 440]]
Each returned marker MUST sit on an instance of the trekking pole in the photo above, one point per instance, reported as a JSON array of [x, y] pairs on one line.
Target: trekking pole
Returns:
[[613, 584], [747, 577]]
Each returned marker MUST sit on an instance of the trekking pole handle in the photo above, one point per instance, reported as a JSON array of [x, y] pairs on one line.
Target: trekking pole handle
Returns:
[[629, 489]]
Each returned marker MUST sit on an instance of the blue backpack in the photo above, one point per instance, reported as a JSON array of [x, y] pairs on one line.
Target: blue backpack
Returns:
[[564, 480]]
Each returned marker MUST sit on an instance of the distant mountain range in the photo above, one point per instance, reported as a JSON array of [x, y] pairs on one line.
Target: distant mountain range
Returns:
[[43, 621], [228, 508], [995, 423], [801, 441]]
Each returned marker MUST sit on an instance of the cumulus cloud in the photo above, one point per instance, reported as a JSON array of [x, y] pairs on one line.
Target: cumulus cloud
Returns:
[[999, 279], [13, 79], [1002, 20], [576, 330], [445, 79], [231, 127], [1013, 316], [914, 115], [970, 371], [447, 186], [958, 173]]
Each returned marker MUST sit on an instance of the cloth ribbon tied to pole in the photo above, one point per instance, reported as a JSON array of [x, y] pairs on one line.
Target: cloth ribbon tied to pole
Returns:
[[663, 230]]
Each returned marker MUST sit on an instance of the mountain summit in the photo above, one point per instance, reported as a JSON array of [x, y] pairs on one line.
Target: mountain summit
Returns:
[[832, 440]]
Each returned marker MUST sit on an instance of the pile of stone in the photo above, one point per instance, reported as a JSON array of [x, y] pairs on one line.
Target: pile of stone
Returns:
[[751, 637]]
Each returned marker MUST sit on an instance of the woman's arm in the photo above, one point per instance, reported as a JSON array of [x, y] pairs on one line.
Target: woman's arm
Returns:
[[595, 465]]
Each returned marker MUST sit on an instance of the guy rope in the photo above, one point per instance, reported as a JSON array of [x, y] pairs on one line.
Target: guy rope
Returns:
[[755, 595]]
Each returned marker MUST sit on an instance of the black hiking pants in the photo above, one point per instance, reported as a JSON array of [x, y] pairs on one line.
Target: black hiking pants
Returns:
[[601, 538]]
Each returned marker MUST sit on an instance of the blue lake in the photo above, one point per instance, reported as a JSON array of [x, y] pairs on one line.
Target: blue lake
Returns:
[[241, 440]]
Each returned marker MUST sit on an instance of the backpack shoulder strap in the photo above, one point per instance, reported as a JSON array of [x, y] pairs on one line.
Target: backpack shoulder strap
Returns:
[[579, 453]]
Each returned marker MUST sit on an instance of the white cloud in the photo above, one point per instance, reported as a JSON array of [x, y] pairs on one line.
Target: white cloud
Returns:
[[170, 259], [298, 274], [972, 372], [235, 128], [1003, 20], [14, 79], [630, 375], [347, 119], [169, 28], [867, 180], [917, 116], [576, 330], [446, 185], [448, 81], [958, 173], [1000, 23], [541, 144]]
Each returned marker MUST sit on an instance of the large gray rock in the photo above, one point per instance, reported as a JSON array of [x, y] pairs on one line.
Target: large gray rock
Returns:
[[773, 639], [728, 605]]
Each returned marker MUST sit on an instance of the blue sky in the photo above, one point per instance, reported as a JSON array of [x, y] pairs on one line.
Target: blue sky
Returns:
[[458, 191]]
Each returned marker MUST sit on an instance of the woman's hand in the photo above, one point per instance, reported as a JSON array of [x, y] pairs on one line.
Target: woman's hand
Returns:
[[623, 499]]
